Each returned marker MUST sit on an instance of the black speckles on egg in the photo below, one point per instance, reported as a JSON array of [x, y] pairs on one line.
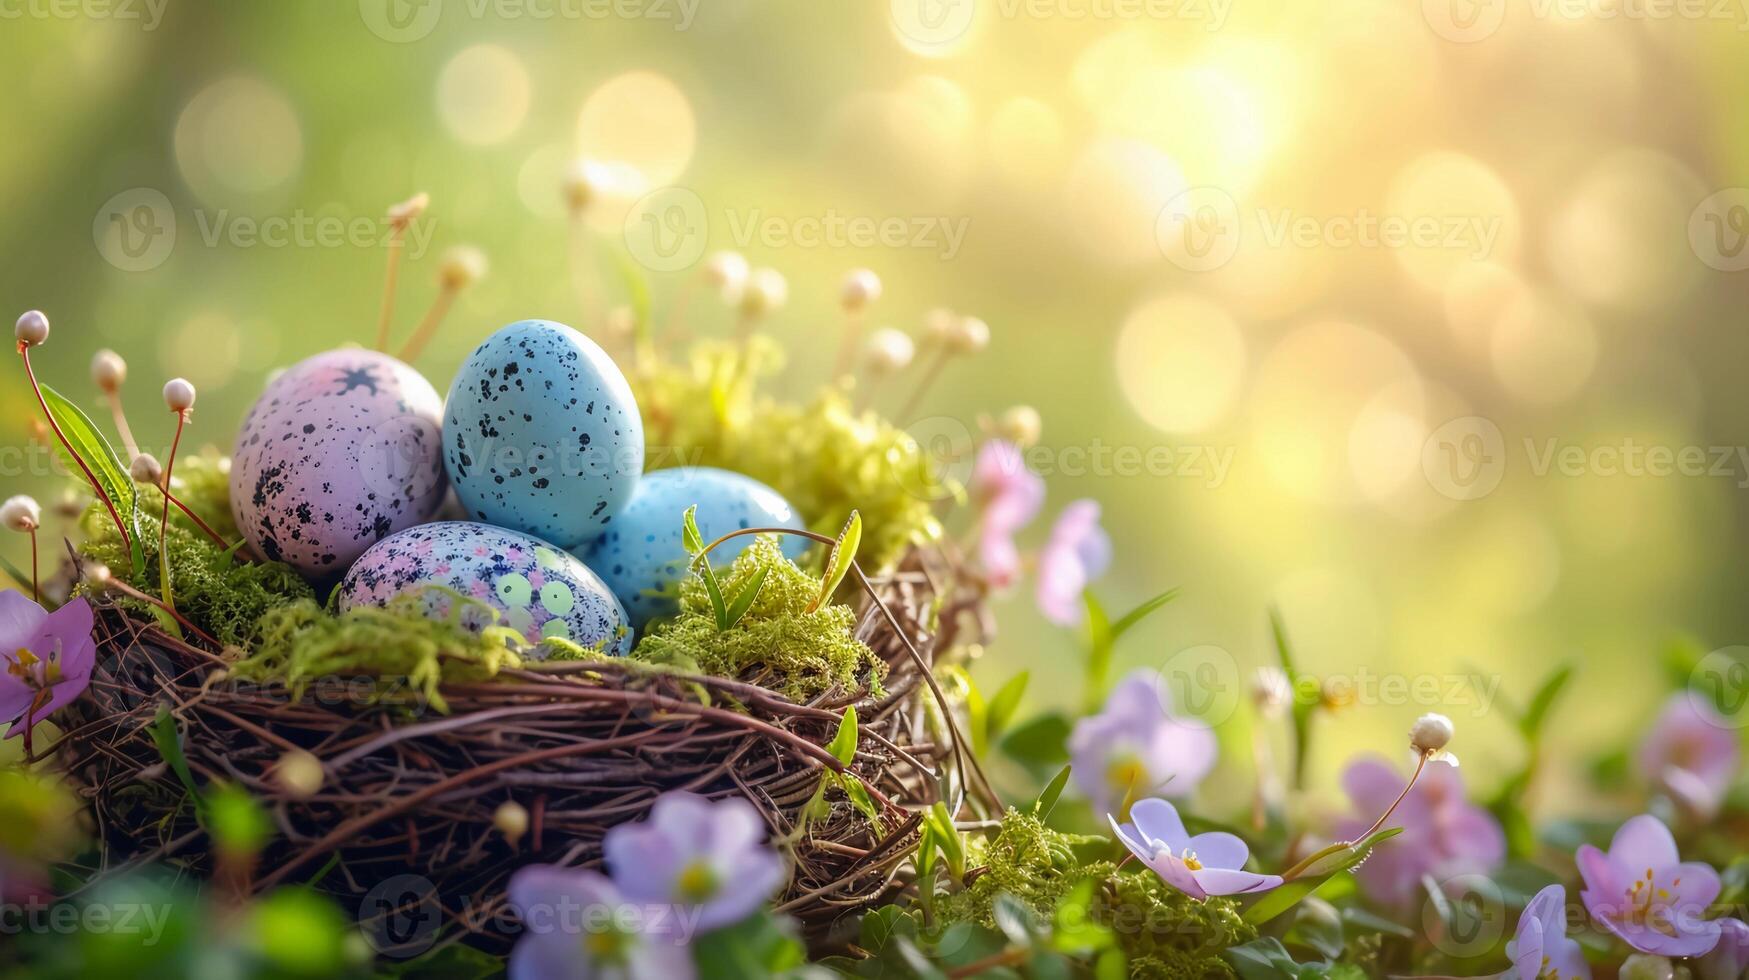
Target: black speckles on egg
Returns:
[[349, 435], [541, 433]]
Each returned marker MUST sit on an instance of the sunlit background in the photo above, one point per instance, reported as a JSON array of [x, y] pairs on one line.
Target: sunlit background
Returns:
[[1323, 285]]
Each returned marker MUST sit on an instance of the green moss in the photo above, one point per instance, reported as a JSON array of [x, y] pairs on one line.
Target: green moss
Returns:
[[825, 458], [223, 596], [778, 644], [1163, 933], [404, 650]]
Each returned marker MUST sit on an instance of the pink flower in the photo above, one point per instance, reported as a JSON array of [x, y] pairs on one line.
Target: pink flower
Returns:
[[1136, 748], [1642, 891], [47, 657], [1444, 834], [1692, 754], [1078, 552], [1207, 864], [1009, 495], [1540, 948]]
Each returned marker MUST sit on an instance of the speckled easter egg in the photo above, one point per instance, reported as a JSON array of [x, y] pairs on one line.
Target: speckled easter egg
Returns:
[[538, 589], [541, 433], [642, 554], [342, 450]]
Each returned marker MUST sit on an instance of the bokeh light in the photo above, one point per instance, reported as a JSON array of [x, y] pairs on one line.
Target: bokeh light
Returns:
[[483, 94], [1180, 360], [237, 136]]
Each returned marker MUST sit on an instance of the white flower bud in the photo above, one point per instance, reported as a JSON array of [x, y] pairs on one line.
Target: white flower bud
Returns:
[[968, 336], [1271, 690], [861, 288], [32, 328], [1020, 425], [98, 574], [461, 266], [299, 774], [727, 271], [585, 183], [70, 504], [21, 513], [1430, 734], [146, 469], [108, 371], [938, 323], [889, 351], [511, 819], [405, 213], [1643, 966], [179, 394], [767, 290]]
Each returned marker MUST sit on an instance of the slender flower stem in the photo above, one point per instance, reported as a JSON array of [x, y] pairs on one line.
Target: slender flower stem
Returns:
[[36, 591], [121, 423], [164, 519], [428, 326], [24, 352], [218, 538], [133, 593], [1420, 764], [923, 385], [387, 310], [848, 342]]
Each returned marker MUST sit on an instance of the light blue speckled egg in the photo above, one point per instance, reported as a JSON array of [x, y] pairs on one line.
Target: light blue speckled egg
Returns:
[[642, 554], [539, 590], [541, 433]]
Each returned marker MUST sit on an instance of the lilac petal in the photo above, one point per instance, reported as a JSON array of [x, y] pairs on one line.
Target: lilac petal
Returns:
[[999, 556], [1472, 835], [71, 624], [748, 885], [1548, 909], [1643, 842], [15, 696], [1224, 881], [1526, 948], [1730, 958], [1158, 820], [1690, 938], [1372, 784], [644, 861], [1184, 753], [1175, 873], [1128, 836], [1217, 849], [20, 619], [549, 956], [734, 826], [1567, 960], [1600, 874], [682, 816], [1692, 884]]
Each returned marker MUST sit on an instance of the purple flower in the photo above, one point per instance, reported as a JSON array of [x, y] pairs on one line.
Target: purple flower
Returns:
[[1199, 866], [1078, 552], [577, 926], [1009, 495], [1540, 949], [708, 860], [1692, 754], [1730, 958], [1136, 748], [47, 658], [1444, 834], [1643, 892]]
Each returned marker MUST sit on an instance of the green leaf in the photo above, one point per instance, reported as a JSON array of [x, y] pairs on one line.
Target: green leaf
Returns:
[[1039, 742], [1047, 801], [169, 744], [1100, 644], [719, 609], [689, 531], [1075, 929], [839, 561], [112, 477], [843, 744], [1015, 920], [238, 824], [1530, 723], [1313, 873], [762, 946], [745, 599], [1262, 959], [859, 798], [1004, 704], [1301, 714], [947, 838], [1141, 612]]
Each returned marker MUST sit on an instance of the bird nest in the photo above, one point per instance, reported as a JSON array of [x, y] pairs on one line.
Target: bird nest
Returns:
[[407, 800]]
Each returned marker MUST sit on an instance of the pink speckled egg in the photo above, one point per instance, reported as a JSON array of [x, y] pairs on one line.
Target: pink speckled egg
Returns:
[[341, 451]]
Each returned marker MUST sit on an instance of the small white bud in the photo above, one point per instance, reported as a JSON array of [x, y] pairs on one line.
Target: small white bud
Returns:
[[461, 266], [1271, 690], [146, 469], [299, 774], [766, 291], [108, 371], [889, 351], [1430, 734], [179, 394], [405, 213], [511, 819], [727, 271], [32, 328], [1020, 425], [585, 182], [861, 288], [70, 504], [98, 574], [21, 513], [938, 323], [968, 336]]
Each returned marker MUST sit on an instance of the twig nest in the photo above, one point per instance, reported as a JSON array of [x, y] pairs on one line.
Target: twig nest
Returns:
[[32, 328], [889, 351], [146, 469], [767, 290], [108, 371], [968, 335], [1430, 734], [179, 394], [21, 513], [461, 267], [405, 213], [861, 287]]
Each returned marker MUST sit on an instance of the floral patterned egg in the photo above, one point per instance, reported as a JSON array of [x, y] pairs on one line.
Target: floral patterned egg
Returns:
[[538, 590], [342, 450], [541, 433], [642, 555]]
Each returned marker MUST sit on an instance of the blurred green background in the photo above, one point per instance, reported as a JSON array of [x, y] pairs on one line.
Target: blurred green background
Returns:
[[1301, 239]]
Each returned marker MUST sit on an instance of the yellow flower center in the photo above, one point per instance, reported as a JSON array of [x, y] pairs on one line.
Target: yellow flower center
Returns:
[[698, 882], [606, 946], [1191, 862]]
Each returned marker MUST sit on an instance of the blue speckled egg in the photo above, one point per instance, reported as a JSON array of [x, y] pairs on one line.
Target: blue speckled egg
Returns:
[[341, 451], [539, 590], [541, 433], [642, 555]]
